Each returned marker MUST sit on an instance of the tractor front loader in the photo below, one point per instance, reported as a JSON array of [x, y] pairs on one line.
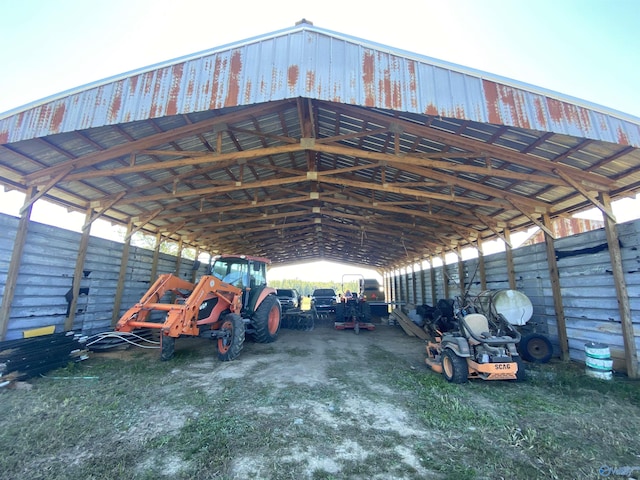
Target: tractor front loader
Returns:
[[225, 306]]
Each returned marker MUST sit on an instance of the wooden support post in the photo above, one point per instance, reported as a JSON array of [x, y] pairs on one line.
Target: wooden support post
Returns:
[[432, 278], [413, 284], [511, 270], [406, 285], [622, 295], [78, 272], [179, 257], [461, 273], [396, 286], [194, 271], [445, 278], [423, 282], [554, 277], [483, 272], [14, 263], [117, 301], [156, 255]]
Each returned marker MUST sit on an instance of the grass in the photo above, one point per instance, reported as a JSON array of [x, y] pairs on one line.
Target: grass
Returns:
[[375, 416]]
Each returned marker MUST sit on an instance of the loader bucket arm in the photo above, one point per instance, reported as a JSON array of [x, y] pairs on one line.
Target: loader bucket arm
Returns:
[[182, 316]]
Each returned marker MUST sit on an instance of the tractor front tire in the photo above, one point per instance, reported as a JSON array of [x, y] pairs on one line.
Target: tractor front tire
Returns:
[[454, 368], [535, 348], [167, 347], [230, 346], [266, 320]]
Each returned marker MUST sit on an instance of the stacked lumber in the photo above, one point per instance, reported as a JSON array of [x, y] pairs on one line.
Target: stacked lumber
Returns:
[[29, 357], [408, 325]]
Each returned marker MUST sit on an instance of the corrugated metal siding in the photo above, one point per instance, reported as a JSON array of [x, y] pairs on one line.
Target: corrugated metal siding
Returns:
[[315, 63], [586, 282], [46, 274]]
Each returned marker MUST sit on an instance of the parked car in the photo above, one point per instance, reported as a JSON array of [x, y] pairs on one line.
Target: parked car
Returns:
[[324, 299], [289, 298]]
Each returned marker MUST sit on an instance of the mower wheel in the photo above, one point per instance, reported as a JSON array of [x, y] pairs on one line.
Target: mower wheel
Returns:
[[230, 345], [535, 348], [167, 347], [521, 376], [266, 320], [454, 368]]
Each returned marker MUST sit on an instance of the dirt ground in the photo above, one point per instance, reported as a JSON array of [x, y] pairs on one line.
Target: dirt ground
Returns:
[[314, 405], [358, 416]]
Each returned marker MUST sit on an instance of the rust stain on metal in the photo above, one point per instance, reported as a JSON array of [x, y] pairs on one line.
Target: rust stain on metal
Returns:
[[293, 72], [514, 99], [368, 77], [58, 116], [247, 92], [431, 110], [585, 118], [116, 104], [174, 90], [555, 110], [4, 137], [156, 105], [310, 80], [215, 84], [233, 89], [492, 99], [43, 114], [623, 139], [413, 83], [538, 107]]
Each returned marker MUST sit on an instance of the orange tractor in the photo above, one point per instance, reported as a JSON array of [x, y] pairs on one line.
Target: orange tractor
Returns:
[[228, 304]]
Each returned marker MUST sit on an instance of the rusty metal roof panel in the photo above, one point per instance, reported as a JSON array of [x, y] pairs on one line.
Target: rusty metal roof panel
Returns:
[[306, 61]]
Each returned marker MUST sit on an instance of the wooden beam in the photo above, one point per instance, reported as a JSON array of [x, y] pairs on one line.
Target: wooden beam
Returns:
[[122, 276], [78, 271], [432, 279], [606, 210], [554, 277], [156, 255], [622, 295], [481, 267], [152, 140], [445, 279], [511, 270], [461, 273], [530, 216], [14, 264], [52, 183], [485, 149]]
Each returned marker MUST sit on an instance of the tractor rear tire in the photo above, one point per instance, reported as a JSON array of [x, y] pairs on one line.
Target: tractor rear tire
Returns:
[[229, 347], [167, 347], [266, 320], [535, 348], [454, 368]]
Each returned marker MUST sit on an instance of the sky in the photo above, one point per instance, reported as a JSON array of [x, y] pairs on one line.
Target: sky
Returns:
[[587, 49]]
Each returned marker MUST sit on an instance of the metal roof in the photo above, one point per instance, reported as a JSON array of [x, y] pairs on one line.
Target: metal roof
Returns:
[[305, 144]]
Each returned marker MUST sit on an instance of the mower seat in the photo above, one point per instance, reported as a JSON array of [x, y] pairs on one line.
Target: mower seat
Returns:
[[478, 325]]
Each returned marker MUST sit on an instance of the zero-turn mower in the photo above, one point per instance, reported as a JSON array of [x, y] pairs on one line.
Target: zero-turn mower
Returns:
[[477, 347]]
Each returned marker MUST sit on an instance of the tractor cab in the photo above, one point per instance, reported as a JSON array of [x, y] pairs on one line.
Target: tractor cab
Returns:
[[249, 274]]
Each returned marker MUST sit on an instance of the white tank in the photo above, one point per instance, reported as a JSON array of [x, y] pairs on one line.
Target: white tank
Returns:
[[515, 306]]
